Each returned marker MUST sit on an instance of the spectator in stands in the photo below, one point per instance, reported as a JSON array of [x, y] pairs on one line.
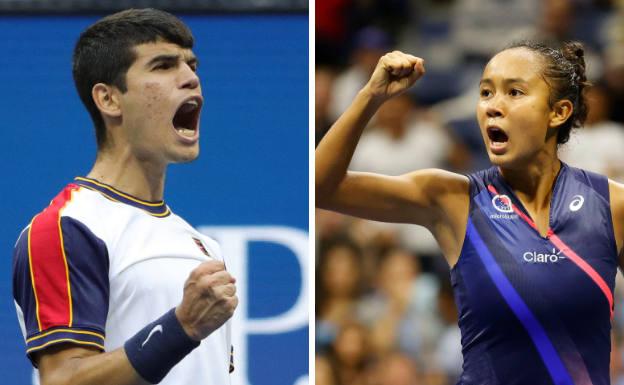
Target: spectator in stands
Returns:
[[324, 371], [323, 81], [338, 287], [447, 356], [397, 369], [332, 31], [370, 44], [401, 312], [351, 354], [479, 30], [598, 145], [556, 21], [556, 25], [408, 141], [614, 76]]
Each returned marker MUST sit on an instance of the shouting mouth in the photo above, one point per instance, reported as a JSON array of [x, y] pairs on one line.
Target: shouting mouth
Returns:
[[186, 119], [498, 139]]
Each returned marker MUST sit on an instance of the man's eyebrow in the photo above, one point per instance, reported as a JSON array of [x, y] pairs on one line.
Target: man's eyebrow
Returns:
[[165, 58], [505, 81]]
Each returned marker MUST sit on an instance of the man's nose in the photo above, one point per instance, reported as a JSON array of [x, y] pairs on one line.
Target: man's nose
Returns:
[[189, 78]]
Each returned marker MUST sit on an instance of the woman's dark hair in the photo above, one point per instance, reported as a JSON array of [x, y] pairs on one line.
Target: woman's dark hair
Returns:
[[564, 72], [105, 51]]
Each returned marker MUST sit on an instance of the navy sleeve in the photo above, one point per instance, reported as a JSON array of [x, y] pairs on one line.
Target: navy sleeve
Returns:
[[60, 283]]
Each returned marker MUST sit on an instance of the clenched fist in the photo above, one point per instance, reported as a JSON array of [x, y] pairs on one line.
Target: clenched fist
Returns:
[[395, 72], [209, 300]]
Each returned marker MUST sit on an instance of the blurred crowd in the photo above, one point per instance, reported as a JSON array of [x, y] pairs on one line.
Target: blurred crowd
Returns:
[[385, 313]]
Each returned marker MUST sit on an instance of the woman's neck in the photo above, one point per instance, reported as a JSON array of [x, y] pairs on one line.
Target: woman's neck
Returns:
[[534, 179], [533, 186]]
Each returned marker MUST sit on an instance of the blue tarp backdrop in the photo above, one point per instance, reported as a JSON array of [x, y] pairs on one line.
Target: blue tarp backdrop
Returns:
[[249, 188]]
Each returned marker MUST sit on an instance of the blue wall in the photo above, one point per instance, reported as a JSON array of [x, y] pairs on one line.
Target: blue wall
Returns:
[[252, 171]]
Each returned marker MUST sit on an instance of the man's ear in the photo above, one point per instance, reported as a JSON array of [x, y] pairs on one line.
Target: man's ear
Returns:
[[106, 99], [560, 112]]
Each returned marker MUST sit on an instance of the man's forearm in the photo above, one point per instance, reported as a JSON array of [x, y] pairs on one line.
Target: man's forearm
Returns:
[[72, 366], [145, 358]]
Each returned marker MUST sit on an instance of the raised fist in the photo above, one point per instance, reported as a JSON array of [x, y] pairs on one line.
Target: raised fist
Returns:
[[209, 300], [395, 72]]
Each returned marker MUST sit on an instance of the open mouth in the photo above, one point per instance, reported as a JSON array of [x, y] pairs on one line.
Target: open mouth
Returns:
[[498, 140], [497, 135], [186, 119]]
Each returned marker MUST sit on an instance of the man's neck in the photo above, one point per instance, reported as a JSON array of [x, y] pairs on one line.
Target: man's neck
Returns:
[[122, 170]]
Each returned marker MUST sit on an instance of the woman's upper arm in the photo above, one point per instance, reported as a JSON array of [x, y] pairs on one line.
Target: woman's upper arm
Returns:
[[421, 197], [616, 194]]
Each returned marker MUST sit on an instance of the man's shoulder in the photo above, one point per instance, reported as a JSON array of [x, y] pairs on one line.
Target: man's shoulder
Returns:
[[88, 206], [73, 218], [78, 204]]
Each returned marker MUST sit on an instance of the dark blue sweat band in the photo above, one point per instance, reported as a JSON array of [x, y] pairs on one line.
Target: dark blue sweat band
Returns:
[[158, 347]]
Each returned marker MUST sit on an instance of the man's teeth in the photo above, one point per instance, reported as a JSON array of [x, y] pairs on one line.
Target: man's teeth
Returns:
[[189, 106], [186, 132]]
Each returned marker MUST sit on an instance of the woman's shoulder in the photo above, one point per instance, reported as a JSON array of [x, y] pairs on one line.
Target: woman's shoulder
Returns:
[[595, 181]]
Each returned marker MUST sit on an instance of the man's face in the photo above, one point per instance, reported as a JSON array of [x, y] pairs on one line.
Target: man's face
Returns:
[[161, 107]]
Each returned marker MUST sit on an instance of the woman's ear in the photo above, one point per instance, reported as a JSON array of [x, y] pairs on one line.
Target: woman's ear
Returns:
[[561, 111]]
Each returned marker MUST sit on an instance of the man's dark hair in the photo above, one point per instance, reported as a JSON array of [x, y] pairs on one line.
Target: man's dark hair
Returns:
[[105, 51]]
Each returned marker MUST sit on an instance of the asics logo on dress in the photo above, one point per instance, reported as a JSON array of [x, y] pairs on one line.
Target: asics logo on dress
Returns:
[[577, 203], [157, 328], [535, 257]]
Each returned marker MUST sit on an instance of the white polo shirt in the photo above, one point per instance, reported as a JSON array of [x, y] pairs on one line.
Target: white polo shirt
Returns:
[[98, 265]]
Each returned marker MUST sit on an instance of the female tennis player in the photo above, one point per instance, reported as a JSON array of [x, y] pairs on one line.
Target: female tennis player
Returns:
[[533, 243]]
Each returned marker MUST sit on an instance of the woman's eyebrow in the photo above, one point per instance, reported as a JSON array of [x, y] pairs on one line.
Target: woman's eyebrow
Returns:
[[505, 81]]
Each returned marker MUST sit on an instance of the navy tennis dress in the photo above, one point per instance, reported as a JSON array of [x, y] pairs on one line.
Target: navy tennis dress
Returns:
[[537, 310]]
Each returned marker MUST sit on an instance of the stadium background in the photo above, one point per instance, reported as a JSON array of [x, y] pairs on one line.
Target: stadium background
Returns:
[[249, 187], [384, 307]]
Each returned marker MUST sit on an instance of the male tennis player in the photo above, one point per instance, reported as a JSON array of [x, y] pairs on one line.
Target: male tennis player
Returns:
[[111, 287]]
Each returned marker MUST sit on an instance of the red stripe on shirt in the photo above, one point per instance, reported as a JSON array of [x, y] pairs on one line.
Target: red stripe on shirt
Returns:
[[567, 250], [48, 264], [580, 262]]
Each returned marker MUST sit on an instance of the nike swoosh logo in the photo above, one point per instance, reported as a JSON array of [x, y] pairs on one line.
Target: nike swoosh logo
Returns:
[[157, 328]]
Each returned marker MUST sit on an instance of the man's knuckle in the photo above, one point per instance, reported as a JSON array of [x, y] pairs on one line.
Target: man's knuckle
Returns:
[[195, 273], [206, 284]]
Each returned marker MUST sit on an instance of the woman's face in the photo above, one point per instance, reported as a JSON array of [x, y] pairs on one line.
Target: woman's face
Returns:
[[513, 110]]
